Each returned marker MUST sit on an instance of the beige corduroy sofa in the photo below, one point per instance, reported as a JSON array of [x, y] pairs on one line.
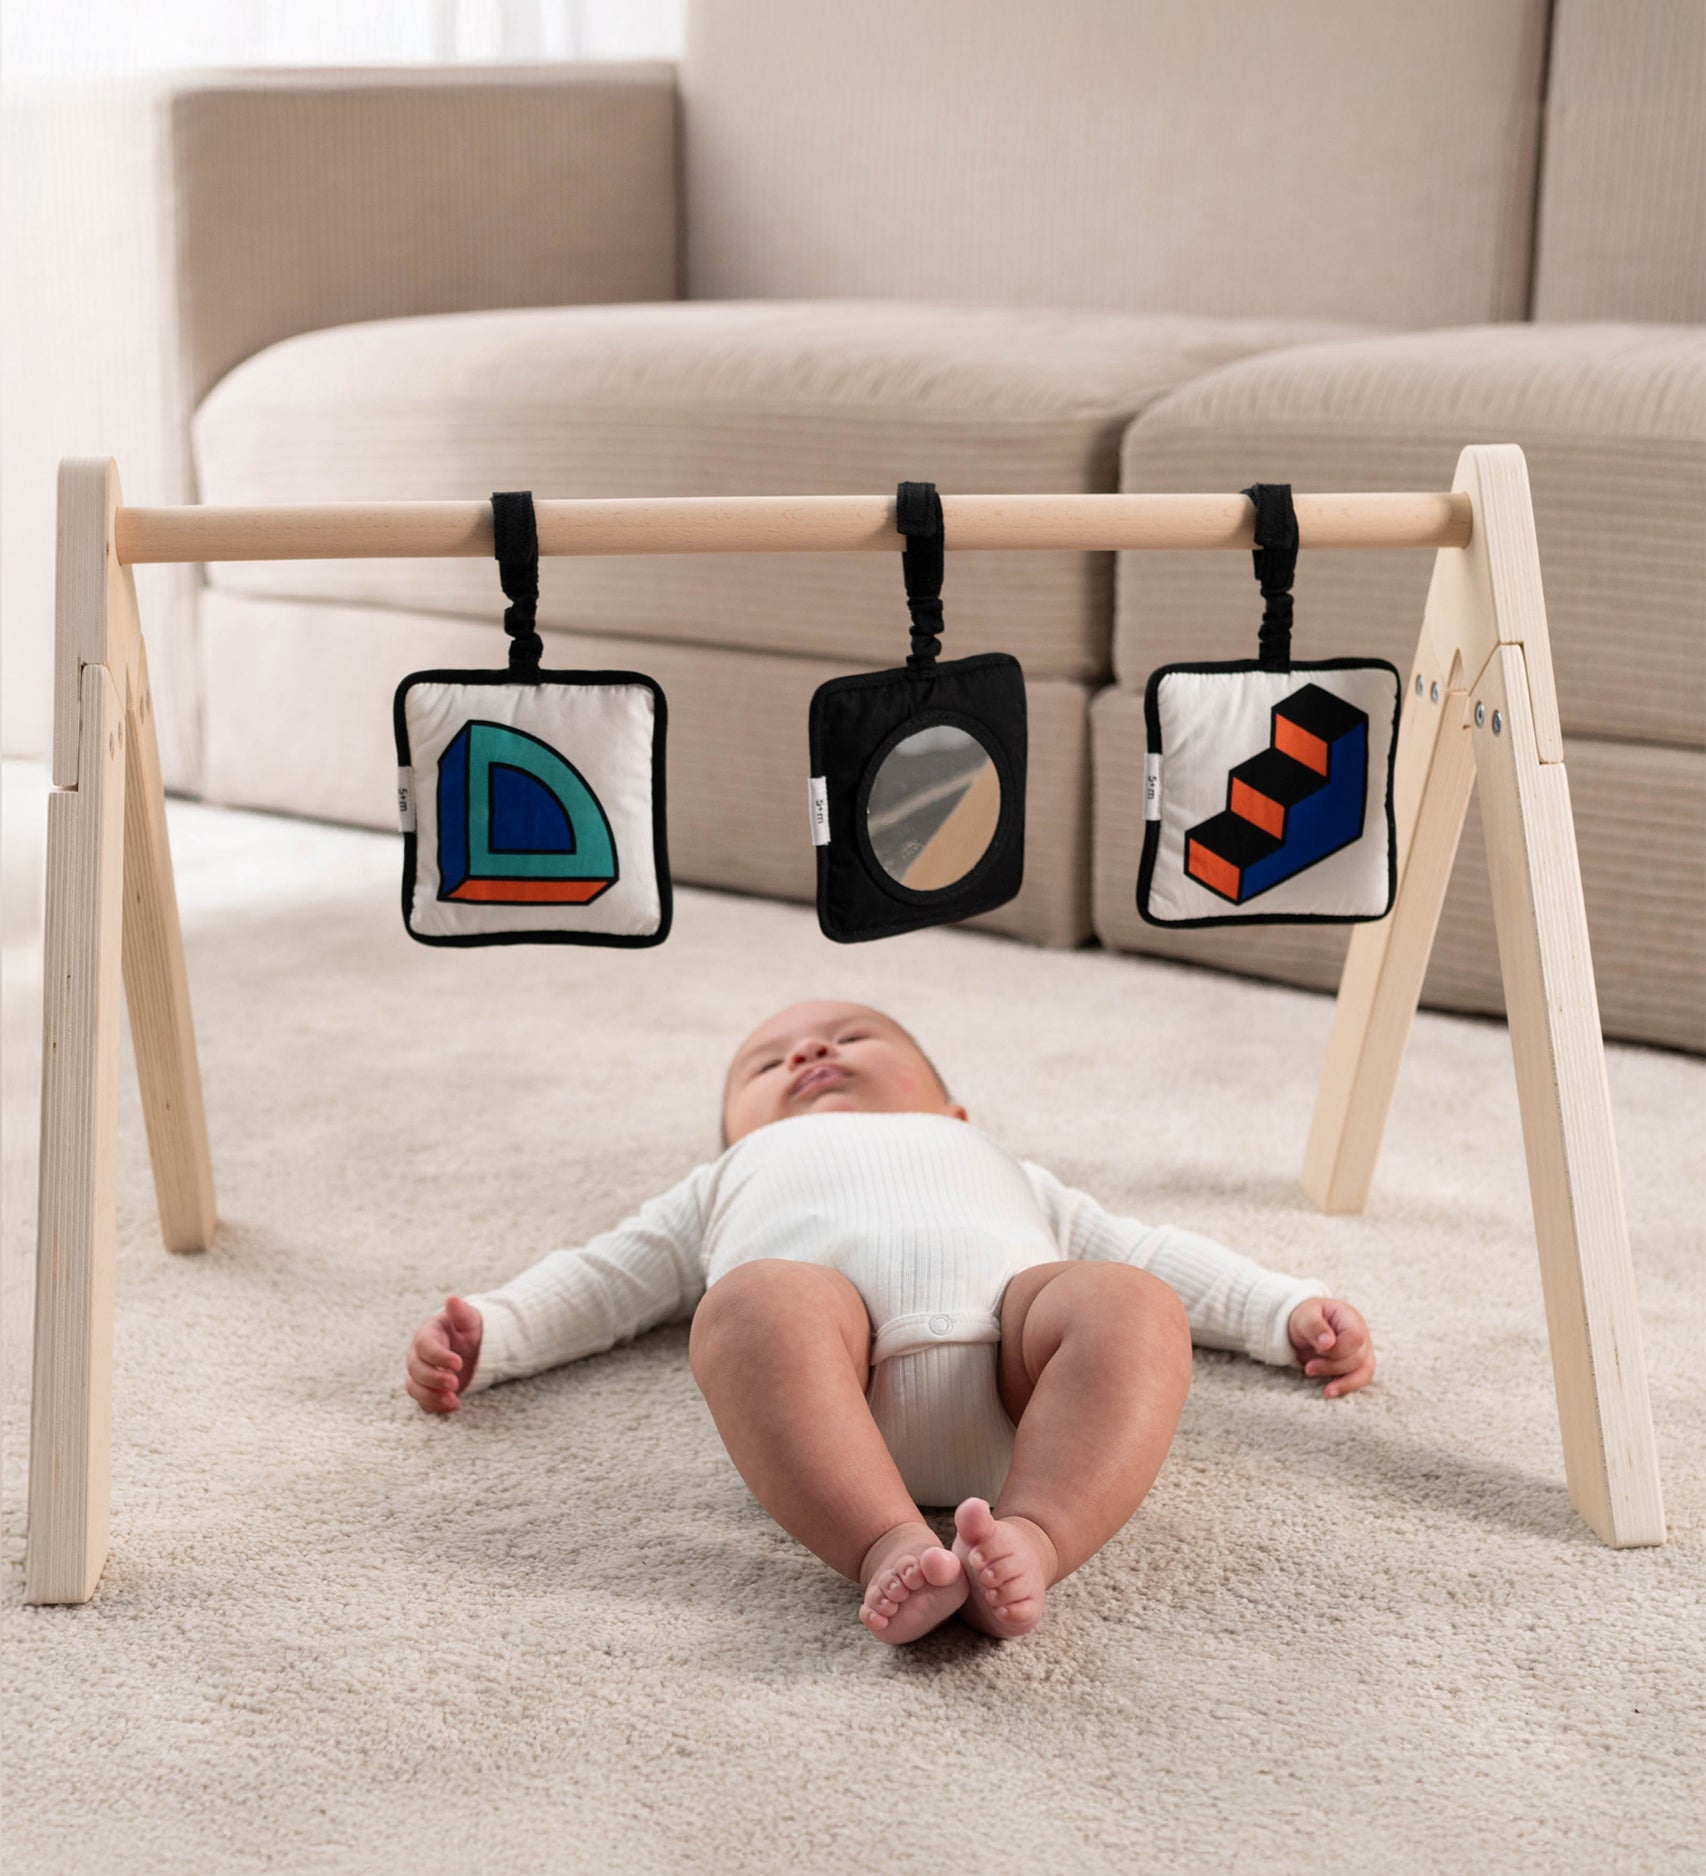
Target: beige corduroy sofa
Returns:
[[1179, 244]]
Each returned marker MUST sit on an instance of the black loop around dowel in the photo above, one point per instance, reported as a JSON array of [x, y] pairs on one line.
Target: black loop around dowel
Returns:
[[918, 515], [515, 540], [1276, 567]]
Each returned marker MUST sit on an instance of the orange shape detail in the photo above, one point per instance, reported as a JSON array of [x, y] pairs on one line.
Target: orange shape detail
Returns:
[[530, 891]]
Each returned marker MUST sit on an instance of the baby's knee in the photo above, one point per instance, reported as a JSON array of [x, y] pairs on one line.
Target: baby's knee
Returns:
[[1142, 1309], [756, 1303]]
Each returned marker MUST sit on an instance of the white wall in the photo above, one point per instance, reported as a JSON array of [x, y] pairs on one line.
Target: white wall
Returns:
[[73, 38]]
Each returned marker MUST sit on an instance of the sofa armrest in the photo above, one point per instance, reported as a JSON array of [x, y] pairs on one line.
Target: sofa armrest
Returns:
[[157, 233]]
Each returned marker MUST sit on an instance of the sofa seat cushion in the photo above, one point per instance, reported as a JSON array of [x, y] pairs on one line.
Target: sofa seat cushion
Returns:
[[280, 736], [1612, 420], [717, 398], [1638, 810]]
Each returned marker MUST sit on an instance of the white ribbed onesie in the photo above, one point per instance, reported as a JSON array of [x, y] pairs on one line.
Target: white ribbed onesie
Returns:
[[928, 1218]]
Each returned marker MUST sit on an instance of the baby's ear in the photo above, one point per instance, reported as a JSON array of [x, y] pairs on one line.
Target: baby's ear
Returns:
[[956, 1111]]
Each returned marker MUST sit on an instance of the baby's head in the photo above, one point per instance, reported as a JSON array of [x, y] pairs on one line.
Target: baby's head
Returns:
[[829, 1058]]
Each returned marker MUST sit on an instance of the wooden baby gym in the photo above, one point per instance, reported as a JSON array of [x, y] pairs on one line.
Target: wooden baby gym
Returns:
[[1477, 703]]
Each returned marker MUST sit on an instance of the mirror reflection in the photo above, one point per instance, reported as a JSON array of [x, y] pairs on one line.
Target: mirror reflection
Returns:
[[933, 807]]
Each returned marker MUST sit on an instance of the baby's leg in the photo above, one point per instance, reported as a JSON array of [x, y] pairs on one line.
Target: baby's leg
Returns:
[[1095, 1367], [781, 1352]]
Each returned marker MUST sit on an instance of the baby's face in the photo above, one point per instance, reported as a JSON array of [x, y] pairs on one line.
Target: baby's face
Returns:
[[829, 1058]]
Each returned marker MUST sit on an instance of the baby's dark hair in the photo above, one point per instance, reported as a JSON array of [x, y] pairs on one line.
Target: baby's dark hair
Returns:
[[941, 1082]]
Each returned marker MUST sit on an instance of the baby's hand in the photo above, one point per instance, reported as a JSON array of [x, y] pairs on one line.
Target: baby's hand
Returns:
[[442, 1356], [1331, 1338]]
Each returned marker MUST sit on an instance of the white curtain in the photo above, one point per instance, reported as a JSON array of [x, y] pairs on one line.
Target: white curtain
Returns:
[[45, 39]]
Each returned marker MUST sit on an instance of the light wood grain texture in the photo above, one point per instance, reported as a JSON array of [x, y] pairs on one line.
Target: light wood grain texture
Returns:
[[71, 1398], [156, 990], [1592, 1318], [1386, 961], [1484, 642], [83, 628], [112, 917], [739, 524], [1473, 598]]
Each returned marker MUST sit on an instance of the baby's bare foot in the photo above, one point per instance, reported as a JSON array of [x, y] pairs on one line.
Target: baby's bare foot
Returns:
[[1009, 1563], [912, 1584]]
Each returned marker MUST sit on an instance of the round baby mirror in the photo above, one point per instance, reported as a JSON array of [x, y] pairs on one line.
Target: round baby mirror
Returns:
[[933, 808]]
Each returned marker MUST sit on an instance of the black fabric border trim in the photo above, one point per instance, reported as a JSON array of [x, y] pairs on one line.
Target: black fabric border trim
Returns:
[[922, 911], [1152, 829], [627, 941]]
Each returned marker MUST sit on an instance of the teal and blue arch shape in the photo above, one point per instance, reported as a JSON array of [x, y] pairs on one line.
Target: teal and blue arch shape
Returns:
[[518, 824]]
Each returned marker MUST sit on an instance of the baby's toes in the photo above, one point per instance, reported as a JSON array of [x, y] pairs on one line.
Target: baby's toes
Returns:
[[986, 1565], [918, 1594], [939, 1567], [994, 1585], [891, 1592]]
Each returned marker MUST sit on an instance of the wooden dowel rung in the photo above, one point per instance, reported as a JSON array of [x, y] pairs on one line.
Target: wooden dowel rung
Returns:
[[771, 524]]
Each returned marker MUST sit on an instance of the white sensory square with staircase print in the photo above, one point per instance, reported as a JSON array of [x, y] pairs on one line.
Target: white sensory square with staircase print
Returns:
[[1268, 793]]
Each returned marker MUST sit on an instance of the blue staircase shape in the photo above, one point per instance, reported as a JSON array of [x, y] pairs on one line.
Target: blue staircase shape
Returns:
[[1290, 805]]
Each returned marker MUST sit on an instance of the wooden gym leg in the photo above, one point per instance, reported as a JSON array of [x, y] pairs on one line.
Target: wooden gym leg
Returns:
[[1485, 638], [1610, 1456], [112, 916], [156, 989], [1433, 775], [1386, 962], [71, 1399]]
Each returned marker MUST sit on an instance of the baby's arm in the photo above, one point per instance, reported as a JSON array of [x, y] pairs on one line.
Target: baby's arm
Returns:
[[1232, 1301], [646, 1271]]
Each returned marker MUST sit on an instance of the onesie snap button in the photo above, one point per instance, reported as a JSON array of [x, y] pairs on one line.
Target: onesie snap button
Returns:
[[940, 1325]]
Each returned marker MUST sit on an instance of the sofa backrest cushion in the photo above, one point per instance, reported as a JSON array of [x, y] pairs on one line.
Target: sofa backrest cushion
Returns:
[[1623, 169], [1356, 159], [310, 199]]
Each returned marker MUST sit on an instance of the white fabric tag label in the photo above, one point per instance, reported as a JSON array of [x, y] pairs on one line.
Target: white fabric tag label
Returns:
[[1152, 788], [406, 801], [820, 811]]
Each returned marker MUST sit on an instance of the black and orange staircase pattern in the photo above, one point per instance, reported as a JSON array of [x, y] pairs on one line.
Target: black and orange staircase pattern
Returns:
[[1291, 804]]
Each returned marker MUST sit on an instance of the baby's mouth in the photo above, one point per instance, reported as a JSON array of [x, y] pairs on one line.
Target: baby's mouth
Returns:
[[815, 1080]]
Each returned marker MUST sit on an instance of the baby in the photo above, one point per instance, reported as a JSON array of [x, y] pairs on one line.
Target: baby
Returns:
[[890, 1311]]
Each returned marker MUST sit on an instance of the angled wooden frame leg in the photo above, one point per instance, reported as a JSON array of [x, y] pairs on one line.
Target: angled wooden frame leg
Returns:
[[1592, 1318], [98, 623], [1484, 641], [112, 915], [71, 1397], [156, 991], [1386, 962]]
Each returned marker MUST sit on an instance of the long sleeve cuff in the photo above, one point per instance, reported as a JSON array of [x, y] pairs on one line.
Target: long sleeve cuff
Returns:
[[1270, 1307], [556, 1312], [1233, 1302], [502, 1343]]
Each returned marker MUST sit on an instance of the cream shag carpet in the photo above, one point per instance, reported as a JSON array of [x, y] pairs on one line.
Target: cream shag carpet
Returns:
[[556, 1633]]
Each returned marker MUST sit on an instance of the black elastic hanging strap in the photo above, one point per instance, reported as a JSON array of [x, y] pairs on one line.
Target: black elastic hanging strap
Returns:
[[918, 515], [515, 539], [1276, 567]]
